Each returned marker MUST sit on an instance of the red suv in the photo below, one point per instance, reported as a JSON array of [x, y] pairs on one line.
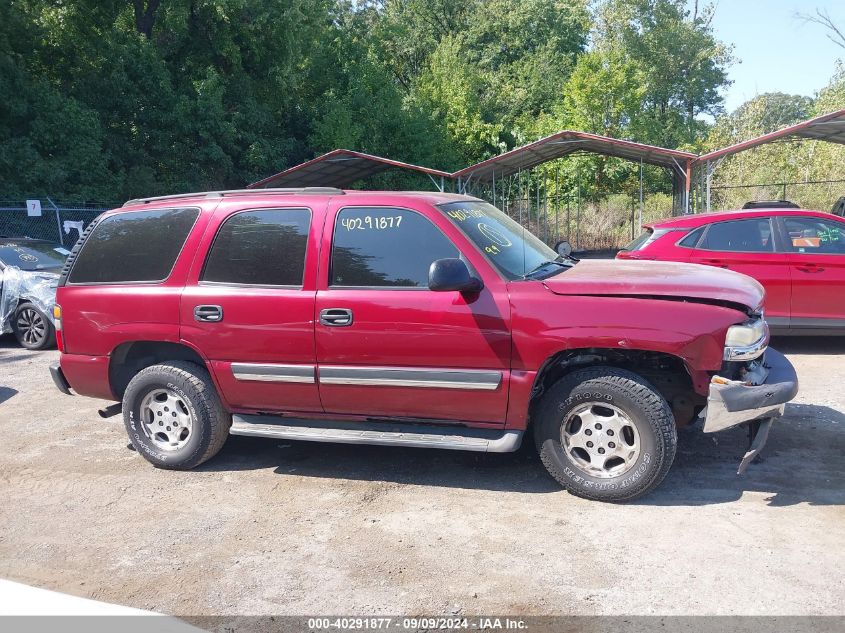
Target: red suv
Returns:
[[798, 256], [409, 319]]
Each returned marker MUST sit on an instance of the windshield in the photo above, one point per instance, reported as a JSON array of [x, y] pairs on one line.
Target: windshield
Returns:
[[509, 247], [33, 255]]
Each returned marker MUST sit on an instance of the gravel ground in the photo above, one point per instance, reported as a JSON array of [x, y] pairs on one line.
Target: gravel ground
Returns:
[[298, 528]]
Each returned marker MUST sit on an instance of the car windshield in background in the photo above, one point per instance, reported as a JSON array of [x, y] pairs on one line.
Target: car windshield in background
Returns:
[[640, 241], [509, 247], [33, 255]]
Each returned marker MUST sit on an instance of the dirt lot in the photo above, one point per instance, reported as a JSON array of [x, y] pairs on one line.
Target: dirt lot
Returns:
[[287, 528]]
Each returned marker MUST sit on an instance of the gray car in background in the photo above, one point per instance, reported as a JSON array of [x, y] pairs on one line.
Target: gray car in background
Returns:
[[29, 270]]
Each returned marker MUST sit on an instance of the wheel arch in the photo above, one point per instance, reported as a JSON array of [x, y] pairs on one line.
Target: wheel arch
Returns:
[[130, 357], [669, 374]]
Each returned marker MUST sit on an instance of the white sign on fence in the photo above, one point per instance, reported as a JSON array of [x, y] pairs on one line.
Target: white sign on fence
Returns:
[[33, 208]]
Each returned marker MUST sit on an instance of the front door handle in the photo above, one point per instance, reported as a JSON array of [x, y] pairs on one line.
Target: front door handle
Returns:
[[336, 317], [208, 314], [715, 262], [810, 268]]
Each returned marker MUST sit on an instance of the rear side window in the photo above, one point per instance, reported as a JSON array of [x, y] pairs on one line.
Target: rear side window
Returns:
[[385, 247], [136, 246], [753, 235], [264, 247]]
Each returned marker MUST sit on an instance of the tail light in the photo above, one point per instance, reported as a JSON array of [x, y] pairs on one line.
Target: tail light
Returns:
[[57, 321]]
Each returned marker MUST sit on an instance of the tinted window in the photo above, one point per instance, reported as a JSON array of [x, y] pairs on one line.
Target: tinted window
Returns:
[[740, 236], [385, 247], [133, 246], [815, 235], [692, 239], [265, 248]]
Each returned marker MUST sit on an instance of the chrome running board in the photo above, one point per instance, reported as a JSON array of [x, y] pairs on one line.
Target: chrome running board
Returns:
[[383, 433]]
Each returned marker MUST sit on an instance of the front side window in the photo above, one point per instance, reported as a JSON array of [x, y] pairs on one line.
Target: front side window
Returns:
[[378, 246], [135, 246], [512, 249], [753, 235], [264, 247], [815, 235]]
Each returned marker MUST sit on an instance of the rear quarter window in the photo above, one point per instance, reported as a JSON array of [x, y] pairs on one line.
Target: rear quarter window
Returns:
[[692, 238], [132, 247]]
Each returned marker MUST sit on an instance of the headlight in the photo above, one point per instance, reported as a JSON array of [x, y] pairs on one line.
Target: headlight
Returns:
[[746, 334], [746, 341]]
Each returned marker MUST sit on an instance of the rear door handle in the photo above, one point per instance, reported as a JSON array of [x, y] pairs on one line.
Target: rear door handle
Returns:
[[208, 314], [336, 317]]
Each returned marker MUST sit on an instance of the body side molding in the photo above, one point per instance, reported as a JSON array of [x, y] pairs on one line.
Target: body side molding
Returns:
[[471, 379]]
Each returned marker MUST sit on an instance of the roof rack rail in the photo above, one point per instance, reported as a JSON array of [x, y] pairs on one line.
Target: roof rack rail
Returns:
[[234, 192]]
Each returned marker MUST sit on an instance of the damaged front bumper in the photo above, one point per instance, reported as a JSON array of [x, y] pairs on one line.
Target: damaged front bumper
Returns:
[[759, 398]]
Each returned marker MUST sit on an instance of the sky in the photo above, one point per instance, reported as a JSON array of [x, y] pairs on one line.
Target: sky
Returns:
[[776, 51]]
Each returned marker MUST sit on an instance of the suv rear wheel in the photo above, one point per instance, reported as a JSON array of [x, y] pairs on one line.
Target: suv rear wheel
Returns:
[[32, 327], [605, 434], [174, 416]]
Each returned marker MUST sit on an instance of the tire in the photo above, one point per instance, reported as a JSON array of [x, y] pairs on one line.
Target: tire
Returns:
[[32, 327], [174, 416], [575, 421]]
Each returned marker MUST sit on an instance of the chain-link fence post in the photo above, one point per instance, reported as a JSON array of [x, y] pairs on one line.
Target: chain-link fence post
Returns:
[[58, 221]]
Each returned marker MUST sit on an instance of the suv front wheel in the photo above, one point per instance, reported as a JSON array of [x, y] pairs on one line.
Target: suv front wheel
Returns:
[[174, 416], [606, 434]]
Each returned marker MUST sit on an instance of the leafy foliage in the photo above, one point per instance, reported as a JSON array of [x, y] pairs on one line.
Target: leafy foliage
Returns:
[[110, 99], [809, 163]]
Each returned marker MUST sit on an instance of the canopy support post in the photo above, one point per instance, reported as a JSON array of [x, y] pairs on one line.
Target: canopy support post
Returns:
[[439, 187], [640, 223]]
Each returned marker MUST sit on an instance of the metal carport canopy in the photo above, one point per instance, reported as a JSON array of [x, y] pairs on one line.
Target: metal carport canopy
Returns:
[[339, 168], [568, 142], [828, 127]]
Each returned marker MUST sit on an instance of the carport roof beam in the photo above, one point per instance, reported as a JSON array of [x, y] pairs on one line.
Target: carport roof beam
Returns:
[[339, 168], [828, 127], [569, 142]]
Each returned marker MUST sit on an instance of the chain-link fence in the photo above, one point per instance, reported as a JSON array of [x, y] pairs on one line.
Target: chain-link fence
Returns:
[[603, 226], [813, 194], [58, 221]]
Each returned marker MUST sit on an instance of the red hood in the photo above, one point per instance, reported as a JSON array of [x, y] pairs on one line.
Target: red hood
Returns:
[[660, 279]]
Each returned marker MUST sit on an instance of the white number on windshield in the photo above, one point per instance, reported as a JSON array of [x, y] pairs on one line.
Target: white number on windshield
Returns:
[[371, 222]]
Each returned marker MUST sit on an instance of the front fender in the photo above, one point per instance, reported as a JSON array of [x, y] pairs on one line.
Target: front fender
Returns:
[[694, 332]]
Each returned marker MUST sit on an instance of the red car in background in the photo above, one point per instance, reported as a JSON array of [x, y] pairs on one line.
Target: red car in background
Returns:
[[798, 256]]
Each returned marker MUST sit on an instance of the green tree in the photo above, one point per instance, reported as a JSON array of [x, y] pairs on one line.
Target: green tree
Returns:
[[684, 65], [793, 161], [450, 91], [47, 140]]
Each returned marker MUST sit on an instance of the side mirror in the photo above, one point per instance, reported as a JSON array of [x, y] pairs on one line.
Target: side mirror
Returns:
[[563, 248], [452, 275]]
